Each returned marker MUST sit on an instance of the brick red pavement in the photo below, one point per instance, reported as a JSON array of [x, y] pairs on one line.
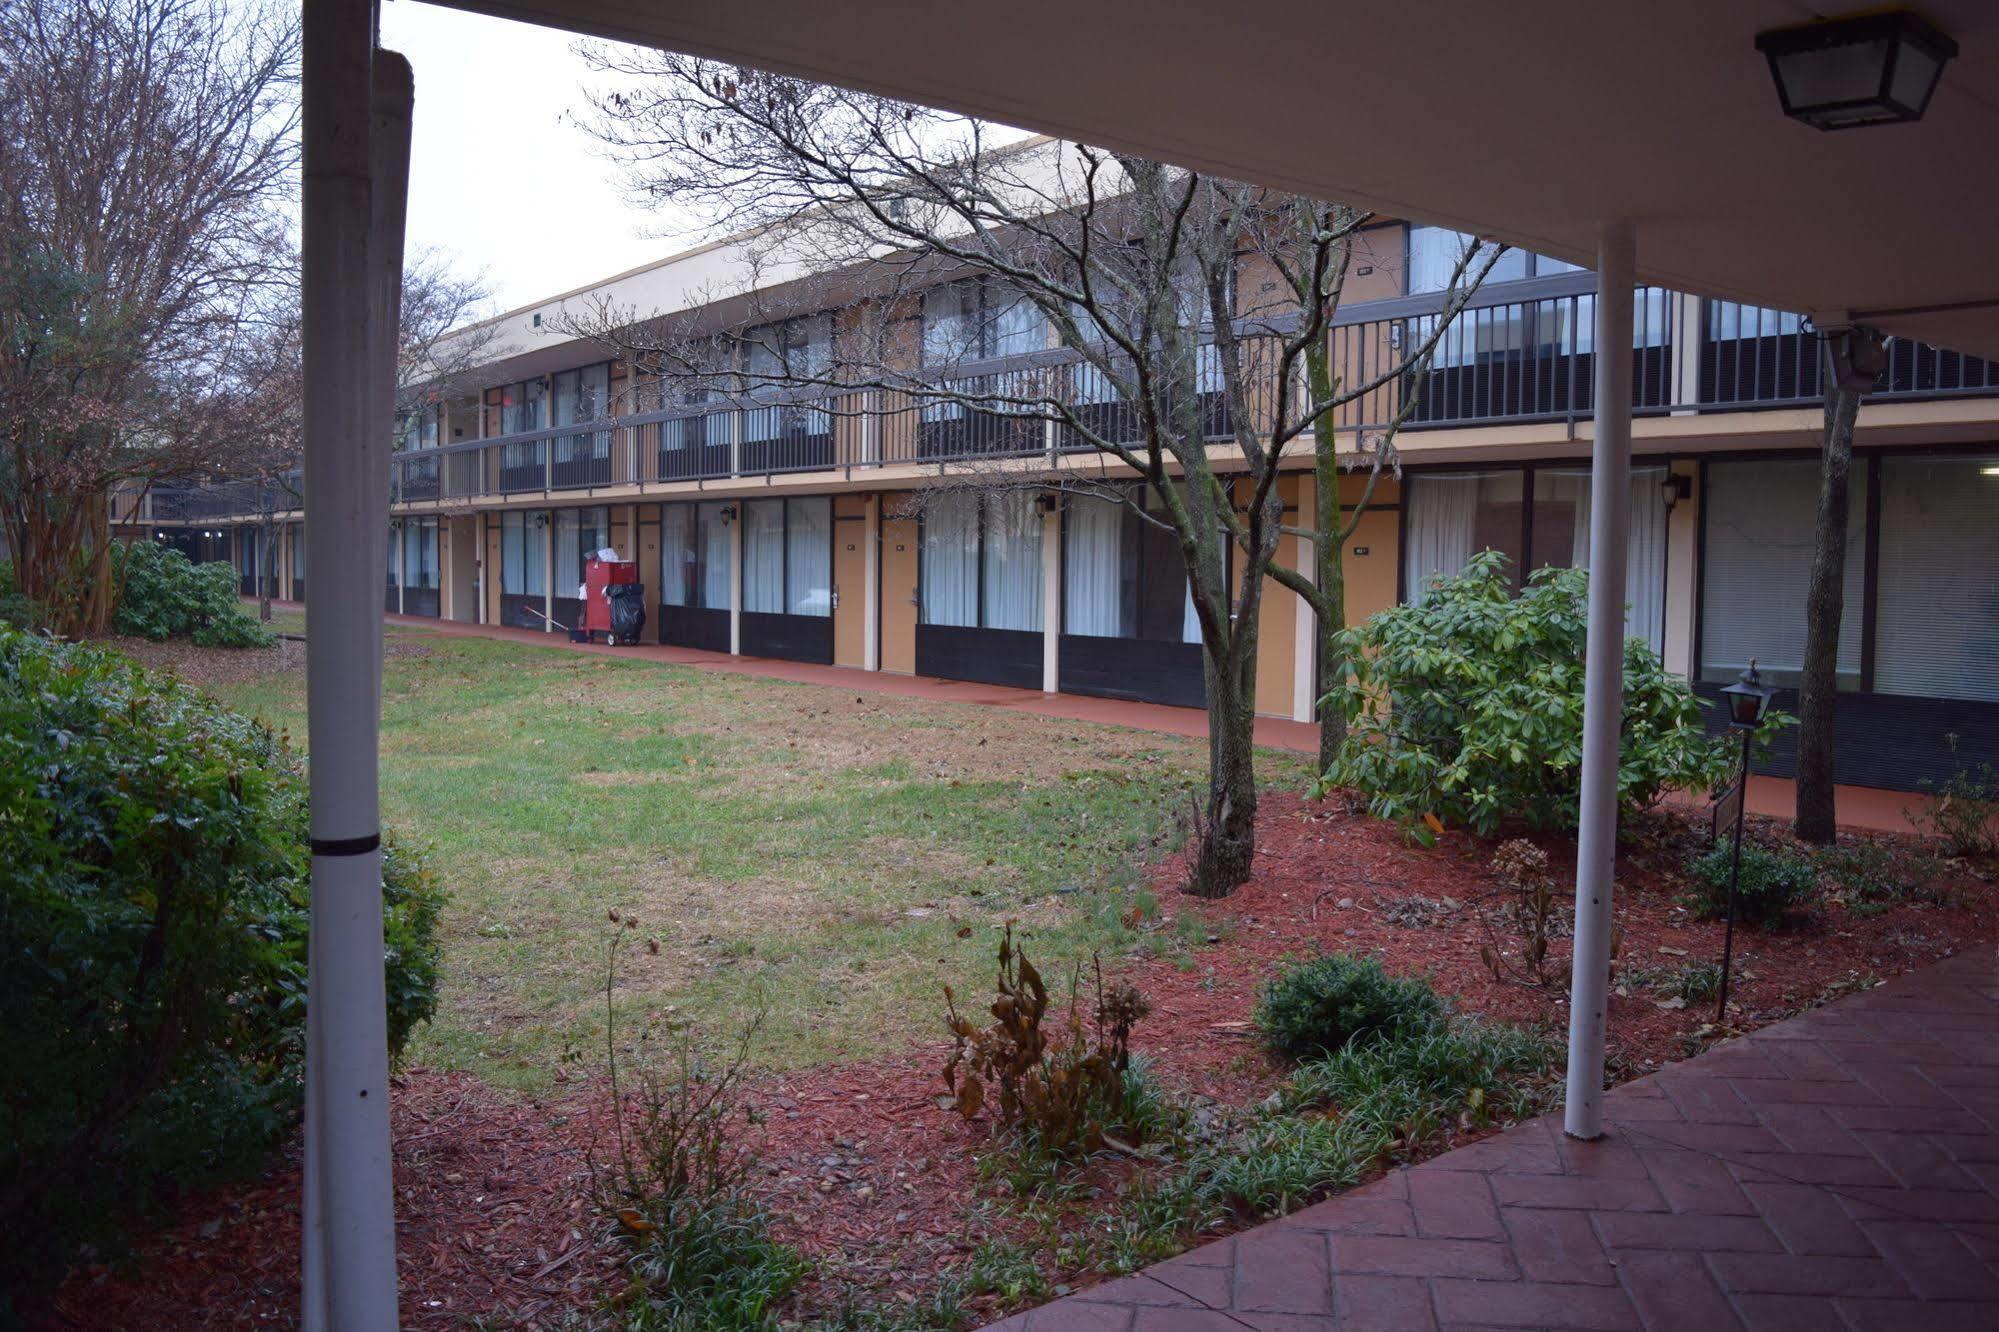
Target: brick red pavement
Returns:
[[1836, 1171]]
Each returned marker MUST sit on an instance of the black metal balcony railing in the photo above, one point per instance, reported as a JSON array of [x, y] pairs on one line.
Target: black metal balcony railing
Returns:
[[1759, 358], [1503, 360], [417, 479]]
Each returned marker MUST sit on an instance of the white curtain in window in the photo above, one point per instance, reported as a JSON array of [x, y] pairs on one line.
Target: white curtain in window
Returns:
[[1092, 548], [420, 552], [1190, 620], [1018, 325], [568, 567], [1645, 546], [579, 533], [1937, 612], [298, 551], [950, 573], [809, 568], [763, 557], [579, 398], [1434, 253], [1442, 511], [1757, 565], [676, 553], [714, 558], [1013, 562], [534, 556], [523, 558], [511, 572], [950, 327]]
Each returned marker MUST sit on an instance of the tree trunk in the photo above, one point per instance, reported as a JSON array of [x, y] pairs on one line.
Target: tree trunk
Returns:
[[1227, 828], [1329, 607], [1824, 602], [266, 573]]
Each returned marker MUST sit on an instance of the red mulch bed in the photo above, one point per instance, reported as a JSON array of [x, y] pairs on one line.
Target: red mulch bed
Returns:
[[870, 1178]]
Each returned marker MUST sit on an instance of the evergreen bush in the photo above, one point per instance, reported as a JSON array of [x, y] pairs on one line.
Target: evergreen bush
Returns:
[[154, 924], [1319, 1006], [1468, 707], [163, 594], [1773, 884]]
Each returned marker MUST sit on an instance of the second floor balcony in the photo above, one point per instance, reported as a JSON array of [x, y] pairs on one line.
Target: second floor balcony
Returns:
[[1508, 359]]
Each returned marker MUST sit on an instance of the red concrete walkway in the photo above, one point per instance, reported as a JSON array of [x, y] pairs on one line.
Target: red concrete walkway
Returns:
[[1839, 1170], [1859, 806]]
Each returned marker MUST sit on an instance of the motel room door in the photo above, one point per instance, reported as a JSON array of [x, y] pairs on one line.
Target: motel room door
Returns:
[[899, 571], [850, 574]]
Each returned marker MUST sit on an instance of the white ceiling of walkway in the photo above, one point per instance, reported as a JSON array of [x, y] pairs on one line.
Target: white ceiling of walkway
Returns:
[[1531, 120]]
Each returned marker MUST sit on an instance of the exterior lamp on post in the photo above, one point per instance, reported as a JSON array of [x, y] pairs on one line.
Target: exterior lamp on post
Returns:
[[1748, 700], [1866, 69]]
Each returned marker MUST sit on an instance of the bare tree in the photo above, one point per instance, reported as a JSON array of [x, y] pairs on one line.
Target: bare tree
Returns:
[[1149, 360], [1853, 361], [1373, 454], [269, 465], [143, 146]]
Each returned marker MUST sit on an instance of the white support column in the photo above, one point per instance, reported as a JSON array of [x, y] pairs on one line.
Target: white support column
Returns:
[[871, 546], [356, 147], [548, 565], [1687, 336], [1051, 601], [1683, 527], [1603, 687], [736, 576], [1305, 626]]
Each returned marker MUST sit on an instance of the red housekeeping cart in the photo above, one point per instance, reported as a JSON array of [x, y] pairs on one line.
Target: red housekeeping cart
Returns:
[[600, 615]]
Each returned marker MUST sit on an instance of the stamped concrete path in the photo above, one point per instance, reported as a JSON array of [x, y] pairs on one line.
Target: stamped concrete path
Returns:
[[1839, 1170]]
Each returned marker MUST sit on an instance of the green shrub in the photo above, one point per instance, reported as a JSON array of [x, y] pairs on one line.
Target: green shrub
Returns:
[[1469, 707], [16, 610], [153, 986], [1773, 884], [163, 594], [1964, 812], [1322, 1005], [1873, 877]]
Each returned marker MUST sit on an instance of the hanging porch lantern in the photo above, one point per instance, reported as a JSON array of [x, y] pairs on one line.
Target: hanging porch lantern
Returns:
[[1845, 73]]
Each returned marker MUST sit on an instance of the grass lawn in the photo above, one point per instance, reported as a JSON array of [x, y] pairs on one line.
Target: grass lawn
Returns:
[[833, 859]]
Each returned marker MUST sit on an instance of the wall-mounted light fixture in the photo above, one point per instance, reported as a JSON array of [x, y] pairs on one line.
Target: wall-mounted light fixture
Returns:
[[1676, 488], [728, 513], [1858, 355], [1866, 69], [1045, 501]]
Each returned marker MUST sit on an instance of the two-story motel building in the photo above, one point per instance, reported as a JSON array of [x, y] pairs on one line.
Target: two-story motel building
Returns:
[[780, 525]]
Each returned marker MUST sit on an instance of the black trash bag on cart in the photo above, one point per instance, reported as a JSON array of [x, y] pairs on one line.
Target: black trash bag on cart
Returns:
[[628, 610]]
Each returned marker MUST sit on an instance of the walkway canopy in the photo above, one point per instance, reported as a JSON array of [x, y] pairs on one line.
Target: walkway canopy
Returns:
[[1531, 121], [1644, 139]]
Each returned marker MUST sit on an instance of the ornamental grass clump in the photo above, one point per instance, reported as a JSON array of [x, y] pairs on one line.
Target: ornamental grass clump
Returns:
[[1466, 708]]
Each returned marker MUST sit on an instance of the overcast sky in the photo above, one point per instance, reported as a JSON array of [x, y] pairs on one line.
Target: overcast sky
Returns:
[[500, 175]]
